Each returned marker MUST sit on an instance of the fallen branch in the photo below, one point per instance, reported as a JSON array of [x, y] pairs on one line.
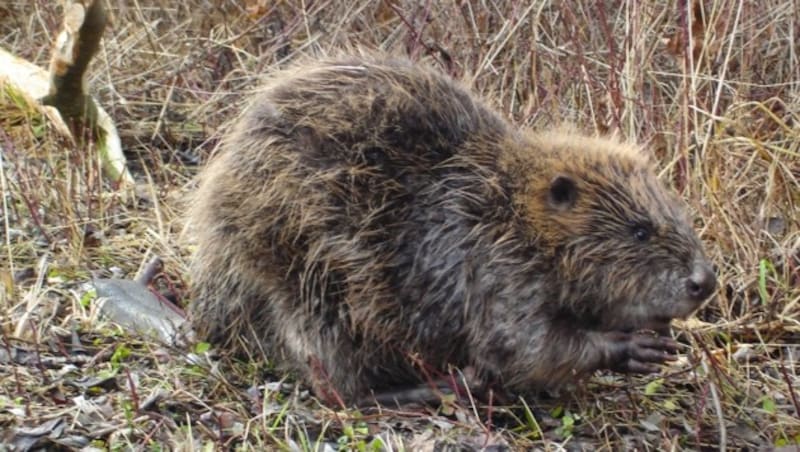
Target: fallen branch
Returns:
[[61, 94]]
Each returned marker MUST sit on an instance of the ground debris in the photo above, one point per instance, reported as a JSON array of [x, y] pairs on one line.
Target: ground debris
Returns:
[[131, 304], [52, 433]]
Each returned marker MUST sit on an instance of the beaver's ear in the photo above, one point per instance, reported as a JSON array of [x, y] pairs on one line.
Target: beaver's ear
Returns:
[[563, 192]]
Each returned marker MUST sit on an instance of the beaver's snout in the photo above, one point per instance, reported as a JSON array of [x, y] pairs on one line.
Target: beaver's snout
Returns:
[[701, 283]]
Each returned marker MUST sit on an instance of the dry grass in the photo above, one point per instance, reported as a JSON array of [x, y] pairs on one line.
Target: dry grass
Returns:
[[723, 120]]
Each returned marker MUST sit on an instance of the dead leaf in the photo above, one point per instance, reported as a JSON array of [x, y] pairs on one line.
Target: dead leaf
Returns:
[[135, 307]]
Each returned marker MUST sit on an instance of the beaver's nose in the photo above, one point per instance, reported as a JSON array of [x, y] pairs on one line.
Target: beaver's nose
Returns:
[[702, 282]]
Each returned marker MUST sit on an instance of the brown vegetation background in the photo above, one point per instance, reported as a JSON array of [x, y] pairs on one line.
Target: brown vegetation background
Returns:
[[711, 88]]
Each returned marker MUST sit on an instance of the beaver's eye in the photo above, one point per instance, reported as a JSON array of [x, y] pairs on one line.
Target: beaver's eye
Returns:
[[642, 232]]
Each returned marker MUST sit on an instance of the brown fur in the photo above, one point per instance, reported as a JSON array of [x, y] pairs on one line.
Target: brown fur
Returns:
[[365, 208]]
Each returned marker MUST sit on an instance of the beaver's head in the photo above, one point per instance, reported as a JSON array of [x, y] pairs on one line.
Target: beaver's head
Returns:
[[622, 243]]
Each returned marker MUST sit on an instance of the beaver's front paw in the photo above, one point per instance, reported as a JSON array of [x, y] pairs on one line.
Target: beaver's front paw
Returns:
[[636, 352]]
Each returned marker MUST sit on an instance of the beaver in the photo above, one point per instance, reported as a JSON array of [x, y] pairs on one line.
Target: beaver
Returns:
[[369, 220]]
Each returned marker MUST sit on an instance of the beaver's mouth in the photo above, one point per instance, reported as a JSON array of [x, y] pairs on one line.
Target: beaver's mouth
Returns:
[[658, 324]]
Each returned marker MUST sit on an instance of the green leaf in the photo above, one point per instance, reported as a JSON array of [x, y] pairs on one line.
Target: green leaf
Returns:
[[762, 280], [670, 405], [653, 387], [120, 354], [127, 408], [38, 130], [202, 347], [768, 405], [533, 425], [362, 428], [86, 298], [377, 444], [106, 373], [55, 275]]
